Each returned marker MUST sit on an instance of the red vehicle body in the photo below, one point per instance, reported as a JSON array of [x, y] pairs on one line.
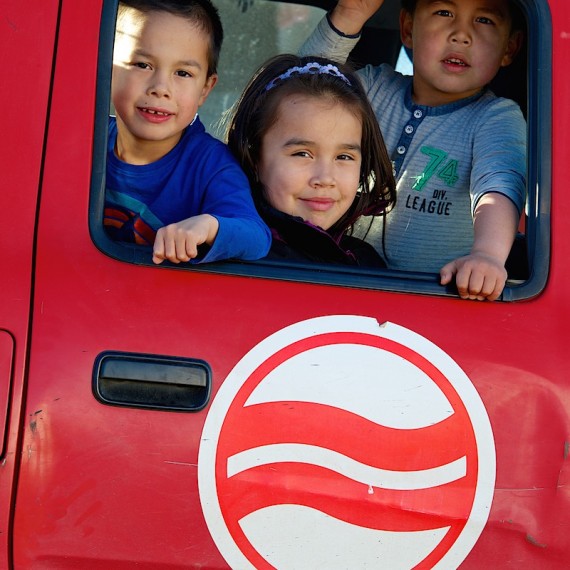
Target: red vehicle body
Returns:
[[87, 485]]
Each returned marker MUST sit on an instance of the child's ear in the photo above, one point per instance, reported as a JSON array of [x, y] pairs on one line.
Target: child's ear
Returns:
[[208, 86], [513, 47], [406, 28]]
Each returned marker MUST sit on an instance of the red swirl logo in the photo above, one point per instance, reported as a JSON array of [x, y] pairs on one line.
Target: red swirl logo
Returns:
[[337, 443]]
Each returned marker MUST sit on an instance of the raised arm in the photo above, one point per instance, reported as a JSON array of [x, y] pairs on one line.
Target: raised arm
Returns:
[[349, 16], [336, 34]]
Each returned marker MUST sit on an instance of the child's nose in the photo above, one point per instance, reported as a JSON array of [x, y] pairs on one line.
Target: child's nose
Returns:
[[465, 40], [461, 34], [323, 175], [159, 86]]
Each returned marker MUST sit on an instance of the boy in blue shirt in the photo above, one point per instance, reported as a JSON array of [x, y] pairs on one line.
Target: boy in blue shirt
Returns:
[[169, 183], [459, 152]]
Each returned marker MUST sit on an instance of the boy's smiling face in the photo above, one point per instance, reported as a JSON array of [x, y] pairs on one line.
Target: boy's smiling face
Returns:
[[459, 46], [160, 79]]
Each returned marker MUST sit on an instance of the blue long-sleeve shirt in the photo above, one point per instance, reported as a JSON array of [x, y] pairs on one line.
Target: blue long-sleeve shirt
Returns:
[[198, 176]]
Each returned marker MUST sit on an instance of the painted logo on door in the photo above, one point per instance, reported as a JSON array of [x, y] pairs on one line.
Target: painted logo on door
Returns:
[[341, 443]]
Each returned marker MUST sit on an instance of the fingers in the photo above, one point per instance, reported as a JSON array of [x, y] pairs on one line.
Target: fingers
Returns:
[[492, 289], [477, 277], [470, 285], [447, 272], [158, 249], [175, 244]]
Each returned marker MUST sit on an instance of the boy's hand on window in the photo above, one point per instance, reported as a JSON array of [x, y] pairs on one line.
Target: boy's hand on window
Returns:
[[179, 242], [477, 276], [481, 275]]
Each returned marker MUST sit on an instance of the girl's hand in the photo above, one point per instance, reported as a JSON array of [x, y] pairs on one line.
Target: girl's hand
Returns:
[[179, 242]]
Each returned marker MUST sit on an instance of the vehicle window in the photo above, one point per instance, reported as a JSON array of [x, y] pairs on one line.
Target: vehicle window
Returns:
[[257, 29], [254, 30], [404, 64]]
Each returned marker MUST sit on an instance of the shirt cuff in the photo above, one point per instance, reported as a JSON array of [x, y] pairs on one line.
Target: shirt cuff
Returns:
[[338, 32]]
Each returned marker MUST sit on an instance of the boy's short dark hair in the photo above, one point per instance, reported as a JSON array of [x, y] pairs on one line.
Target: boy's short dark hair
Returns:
[[517, 17], [201, 12]]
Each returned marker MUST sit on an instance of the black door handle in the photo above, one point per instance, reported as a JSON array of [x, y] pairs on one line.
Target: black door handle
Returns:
[[151, 381]]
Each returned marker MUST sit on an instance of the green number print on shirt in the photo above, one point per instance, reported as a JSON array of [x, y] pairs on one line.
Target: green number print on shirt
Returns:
[[446, 171]]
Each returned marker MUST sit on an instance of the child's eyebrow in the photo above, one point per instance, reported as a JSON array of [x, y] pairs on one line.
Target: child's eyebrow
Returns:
[[190, 63], [483, 8], [183, 63], [348, 146], [444, 2], [306, 142], [298, 142]]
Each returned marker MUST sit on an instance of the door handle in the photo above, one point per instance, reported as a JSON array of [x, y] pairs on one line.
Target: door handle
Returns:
[[152, 381]]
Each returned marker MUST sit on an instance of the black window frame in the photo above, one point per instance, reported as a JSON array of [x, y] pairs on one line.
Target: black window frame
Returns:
[[537, 234]]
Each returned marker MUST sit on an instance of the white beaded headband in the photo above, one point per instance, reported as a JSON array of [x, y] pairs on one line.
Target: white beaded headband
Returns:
[[312, 68]]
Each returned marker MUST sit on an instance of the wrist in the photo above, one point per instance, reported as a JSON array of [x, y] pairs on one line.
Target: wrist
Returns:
[[213, 227], [492, 256], [344, 23]]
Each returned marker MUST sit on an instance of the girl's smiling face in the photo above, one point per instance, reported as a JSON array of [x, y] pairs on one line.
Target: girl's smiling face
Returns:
[[310, 159]]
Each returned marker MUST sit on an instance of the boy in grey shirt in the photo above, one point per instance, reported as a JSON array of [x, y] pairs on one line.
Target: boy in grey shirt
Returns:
[[459, 152]]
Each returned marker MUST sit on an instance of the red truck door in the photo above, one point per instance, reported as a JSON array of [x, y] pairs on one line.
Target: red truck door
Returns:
[[220, 417], [27, 41]]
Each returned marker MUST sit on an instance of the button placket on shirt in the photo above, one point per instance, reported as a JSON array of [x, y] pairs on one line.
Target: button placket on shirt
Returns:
[[406, 138]]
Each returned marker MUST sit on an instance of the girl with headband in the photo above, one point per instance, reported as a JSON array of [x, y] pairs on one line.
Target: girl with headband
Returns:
[[307, 138]]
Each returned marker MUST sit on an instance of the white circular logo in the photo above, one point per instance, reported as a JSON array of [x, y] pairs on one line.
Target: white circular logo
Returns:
[[340, 443]]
